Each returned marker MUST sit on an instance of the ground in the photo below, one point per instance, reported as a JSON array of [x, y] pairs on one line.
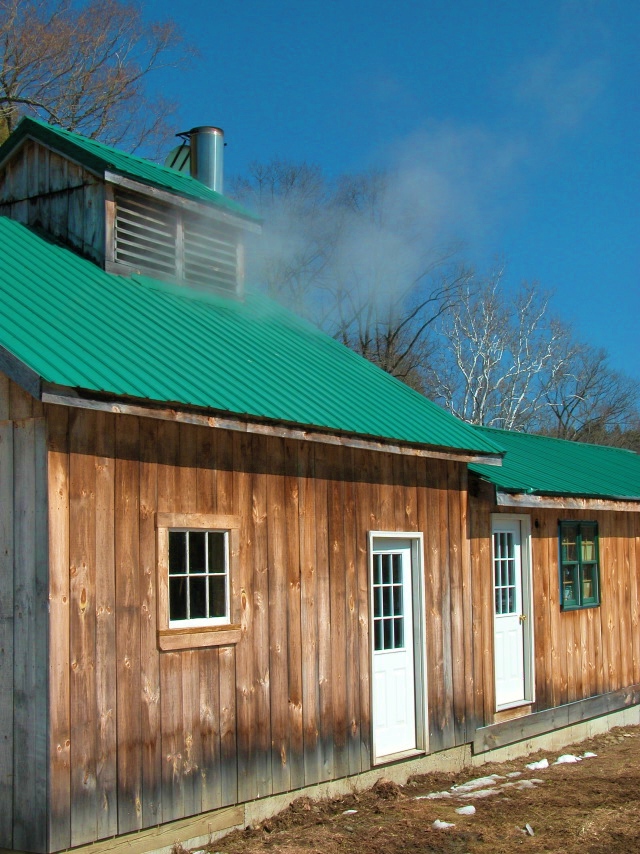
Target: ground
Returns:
[[590, 807]]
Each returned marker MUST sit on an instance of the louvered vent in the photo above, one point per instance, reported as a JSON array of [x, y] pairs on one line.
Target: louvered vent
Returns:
[[172, 243], [145, 235], [209, 254]]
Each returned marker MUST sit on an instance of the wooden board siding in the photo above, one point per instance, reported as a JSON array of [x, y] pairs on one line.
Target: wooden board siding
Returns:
[[577, 654], [42, 189], [184, 731], [24, 642]]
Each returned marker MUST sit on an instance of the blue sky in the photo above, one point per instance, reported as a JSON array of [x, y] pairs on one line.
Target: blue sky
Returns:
[[517, 122]]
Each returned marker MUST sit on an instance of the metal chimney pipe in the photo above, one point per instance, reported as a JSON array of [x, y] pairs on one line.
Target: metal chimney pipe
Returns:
[[207, 148]]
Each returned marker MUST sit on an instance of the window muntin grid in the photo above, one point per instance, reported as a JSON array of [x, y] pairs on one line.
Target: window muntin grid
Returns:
[[579, 565], [198, 577], [388, 602], [504, 573]]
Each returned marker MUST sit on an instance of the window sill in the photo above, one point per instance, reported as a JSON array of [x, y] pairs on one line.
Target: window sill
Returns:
[[172, 640]]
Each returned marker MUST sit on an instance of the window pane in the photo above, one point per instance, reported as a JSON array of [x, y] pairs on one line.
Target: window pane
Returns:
[[378, 636], [569, 588], [377, 602], [386, 569], [197, 597], [217, 596], [569, 539], [197, 541], [377, 571], [217, 552], [397, 569], [178, 598], [588, 543], [398, 633], [388, 634], [498, 611], [588, 582], [397, 600], [387, 602], [177, 552]]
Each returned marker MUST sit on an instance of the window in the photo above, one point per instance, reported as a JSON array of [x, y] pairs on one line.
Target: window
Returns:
[[196, 565], [198, 577], [579, 573]]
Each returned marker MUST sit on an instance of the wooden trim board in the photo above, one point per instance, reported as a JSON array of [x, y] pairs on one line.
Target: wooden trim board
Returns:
[[508, 732]]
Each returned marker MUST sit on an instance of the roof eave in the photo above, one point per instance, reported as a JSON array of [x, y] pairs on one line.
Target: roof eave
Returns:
[[178, 412], [548, 501]]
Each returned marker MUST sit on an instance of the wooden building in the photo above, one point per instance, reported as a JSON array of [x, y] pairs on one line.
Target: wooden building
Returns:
[[236, 559]]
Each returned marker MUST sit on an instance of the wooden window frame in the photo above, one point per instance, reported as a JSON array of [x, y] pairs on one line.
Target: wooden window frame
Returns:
[[175, 638], [580, 602]]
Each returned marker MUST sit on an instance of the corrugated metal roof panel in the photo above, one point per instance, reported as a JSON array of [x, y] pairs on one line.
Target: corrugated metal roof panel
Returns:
[[78, 326], [543, 466], [101, 158]]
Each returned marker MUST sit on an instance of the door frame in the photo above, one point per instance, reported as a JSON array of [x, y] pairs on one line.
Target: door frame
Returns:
[[527, 607], [416, 540]]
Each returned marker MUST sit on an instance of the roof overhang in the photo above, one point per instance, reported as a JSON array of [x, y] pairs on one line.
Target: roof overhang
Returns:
[[202, 209], [164, 412], [565, 502]]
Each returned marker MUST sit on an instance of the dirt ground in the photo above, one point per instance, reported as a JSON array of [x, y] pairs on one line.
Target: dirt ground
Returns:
[[590, 807]]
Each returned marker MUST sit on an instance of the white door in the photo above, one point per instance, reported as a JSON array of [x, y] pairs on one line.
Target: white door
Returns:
[[394, 684], [510, 614]]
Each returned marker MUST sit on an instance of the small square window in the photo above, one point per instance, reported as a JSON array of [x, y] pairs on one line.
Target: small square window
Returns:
[[198, 577], [579, 565], [197, 565]]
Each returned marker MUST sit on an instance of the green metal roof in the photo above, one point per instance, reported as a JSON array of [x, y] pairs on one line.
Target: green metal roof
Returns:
[[101, 158], [77, 326], [542, 466]]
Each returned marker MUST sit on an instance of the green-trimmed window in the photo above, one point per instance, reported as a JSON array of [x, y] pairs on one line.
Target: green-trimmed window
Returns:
[[579, 565]]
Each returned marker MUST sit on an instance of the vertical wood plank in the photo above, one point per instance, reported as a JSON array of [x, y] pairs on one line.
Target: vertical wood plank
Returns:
[[364, 524], [245, 670], [5, 401], [149, 659], [59, 830], [352, 612], [433, 593], [260, 630], [30, 621], [209, 717], [294, 628], [557, 665], [309, 615], [457, 610], [128, 686], [278, 635], [447, 722], [6, 633], [171, 714], [609, 635], [106, 704], [82, 626], [619, 531], [326, 673], [632, 532], [542, 578], [228, 727], [467, 604]]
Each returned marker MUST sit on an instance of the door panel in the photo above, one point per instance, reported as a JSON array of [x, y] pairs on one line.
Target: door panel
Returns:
[[394, 684], [510, 613]]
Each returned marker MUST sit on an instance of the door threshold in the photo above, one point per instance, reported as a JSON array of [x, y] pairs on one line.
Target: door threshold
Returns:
[[512, 711], [388, 758]]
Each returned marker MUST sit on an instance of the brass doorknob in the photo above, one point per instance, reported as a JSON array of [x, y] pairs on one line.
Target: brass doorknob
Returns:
[[523, 617]]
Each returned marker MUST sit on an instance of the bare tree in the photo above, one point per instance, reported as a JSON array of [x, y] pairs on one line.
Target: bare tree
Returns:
[[497, 355], [587, 401], [85, 68]]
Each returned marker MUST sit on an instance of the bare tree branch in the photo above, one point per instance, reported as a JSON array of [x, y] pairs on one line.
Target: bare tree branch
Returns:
[[85, 69]]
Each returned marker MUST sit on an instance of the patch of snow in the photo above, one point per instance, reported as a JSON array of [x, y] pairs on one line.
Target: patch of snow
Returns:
[[349, 812], [538, 766], [482, 793], [442, 825], [514, 774], [478, 783], [589, 755], [432, 796], [468, 810], [566, 759], [529, 829], [526, 784]]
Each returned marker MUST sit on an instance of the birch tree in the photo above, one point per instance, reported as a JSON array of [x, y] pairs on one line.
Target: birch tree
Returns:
[[85, 68]]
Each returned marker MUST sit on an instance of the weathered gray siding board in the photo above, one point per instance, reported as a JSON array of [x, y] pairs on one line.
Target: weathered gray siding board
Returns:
[[43, 189], [30, 635], [6, 627]]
